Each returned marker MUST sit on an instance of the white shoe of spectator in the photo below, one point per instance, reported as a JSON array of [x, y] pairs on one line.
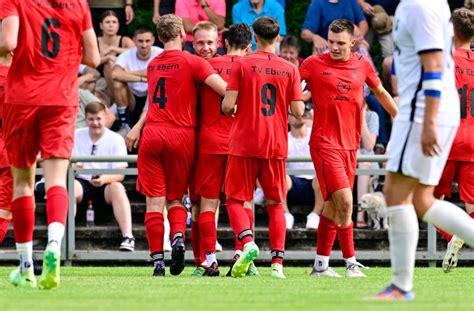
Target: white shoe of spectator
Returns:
[[312, 221], [258, 197], [128, 244], [218, 246], [290, 220], [123, 130]]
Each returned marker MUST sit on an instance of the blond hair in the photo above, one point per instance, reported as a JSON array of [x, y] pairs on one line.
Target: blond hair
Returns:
[[169, 27]]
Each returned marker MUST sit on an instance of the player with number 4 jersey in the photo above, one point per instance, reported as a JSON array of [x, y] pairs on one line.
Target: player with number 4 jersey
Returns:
[[50, 39]]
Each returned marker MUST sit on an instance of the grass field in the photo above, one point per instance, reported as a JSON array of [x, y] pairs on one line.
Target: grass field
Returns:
[[132, 288]]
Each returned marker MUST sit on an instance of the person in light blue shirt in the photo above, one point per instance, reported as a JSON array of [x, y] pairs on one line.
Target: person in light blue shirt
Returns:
[[282, 2], [246, 11], [322, 12]]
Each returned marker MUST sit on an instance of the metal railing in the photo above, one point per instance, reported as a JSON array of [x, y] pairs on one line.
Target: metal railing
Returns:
[[70, 253]]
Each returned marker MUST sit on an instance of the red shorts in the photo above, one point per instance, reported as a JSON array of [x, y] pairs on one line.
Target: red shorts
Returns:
[[463, 173], [30, 130], [335, 169], [4, 162], [165, 159], [6, 188], [242, 174], [210, 174]]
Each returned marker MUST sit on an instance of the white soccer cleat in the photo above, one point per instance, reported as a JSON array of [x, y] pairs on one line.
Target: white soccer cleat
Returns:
[[329, 273], [353, 270], [290, 220], [312, 221], [450, 260]]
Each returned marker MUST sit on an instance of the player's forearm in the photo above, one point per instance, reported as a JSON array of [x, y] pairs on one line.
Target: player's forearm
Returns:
[[432, 63], [229, 101], [431, 111], [9, 34], [368, 138], [386, 101]]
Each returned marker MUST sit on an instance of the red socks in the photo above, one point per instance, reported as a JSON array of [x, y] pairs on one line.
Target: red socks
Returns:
[[155, 229], [345, 236], [177, 216], [3, 228], [277, 232], [326, 234], [23, 217], [207, 228], [198, 252], [57, 204], [239, 220]]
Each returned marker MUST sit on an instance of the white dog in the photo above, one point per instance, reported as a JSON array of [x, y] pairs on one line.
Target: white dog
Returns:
[[376, 207]]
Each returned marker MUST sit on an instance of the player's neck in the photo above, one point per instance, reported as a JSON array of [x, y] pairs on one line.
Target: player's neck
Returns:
[[173, 45], [266, 48], [462, 45]]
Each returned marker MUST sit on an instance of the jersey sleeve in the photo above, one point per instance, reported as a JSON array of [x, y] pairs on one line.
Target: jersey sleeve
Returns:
[[305, 69], [295, 88], [8, 8], [426, 29], [235, 77], [372, 78], [87, 21], [200, 67]]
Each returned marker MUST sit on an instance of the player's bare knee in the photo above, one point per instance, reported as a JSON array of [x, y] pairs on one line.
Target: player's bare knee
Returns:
[[208, 205], [5, 214], [155, 204]]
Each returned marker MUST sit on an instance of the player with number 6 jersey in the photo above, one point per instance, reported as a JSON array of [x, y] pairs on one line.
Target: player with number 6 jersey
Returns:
[[50, 39]]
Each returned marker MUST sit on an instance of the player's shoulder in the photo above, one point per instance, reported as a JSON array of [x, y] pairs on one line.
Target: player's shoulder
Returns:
[[463, 55]]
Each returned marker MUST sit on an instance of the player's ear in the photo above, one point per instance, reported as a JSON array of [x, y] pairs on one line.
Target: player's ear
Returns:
[[247, 49], [226, 44]]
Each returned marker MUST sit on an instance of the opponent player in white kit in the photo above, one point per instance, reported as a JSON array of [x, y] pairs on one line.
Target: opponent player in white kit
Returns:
[[422, 134]]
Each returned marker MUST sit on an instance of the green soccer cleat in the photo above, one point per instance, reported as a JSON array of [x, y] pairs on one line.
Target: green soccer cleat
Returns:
[[277, 271], [51, 264], [199, 271], [252, 271], [242, 264], [24, 280]]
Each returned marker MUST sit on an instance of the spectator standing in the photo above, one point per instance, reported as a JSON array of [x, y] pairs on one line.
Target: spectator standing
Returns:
[[96, 139]]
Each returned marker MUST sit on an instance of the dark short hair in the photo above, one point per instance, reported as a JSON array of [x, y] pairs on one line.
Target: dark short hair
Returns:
[[463, 22], [94, 107], [169, 27], [239, 36], [290, 42], [341, 25], [266, 28], [142, 29]]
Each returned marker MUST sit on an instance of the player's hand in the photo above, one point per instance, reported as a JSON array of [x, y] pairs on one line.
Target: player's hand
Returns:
[[429, 141], [367, 9], [129, 14], [133, 138], [97, 182], [319, 45]]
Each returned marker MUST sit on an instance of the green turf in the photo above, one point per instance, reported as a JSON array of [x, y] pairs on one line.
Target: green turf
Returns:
[[131, 288]]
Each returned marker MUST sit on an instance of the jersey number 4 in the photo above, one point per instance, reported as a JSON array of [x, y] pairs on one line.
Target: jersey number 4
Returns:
[[48, 35], [268, 96], [159, 96], [464, 101]]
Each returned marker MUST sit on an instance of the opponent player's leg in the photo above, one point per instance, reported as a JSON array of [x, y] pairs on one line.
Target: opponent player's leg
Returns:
[[6, 195], [272, 177], [240, 181], [115, 195]]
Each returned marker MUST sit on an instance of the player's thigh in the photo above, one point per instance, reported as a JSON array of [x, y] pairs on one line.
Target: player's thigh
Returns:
[[466, 182], [240, 177], [21, 138], [272, 177], [57, 126], [151, 173], [445, 183], [210, 173], [6, 188]]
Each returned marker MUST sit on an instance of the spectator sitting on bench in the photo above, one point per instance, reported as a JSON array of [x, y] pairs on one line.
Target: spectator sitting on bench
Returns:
[[96, 139]]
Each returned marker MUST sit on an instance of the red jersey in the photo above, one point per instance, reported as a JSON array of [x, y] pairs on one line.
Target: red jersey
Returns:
[[215, 125], [172, 93], [266, 84], [4, 162], [337, 91], [463, 145], [49, 51]]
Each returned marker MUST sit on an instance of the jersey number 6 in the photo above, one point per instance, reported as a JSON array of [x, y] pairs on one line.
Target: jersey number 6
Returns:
[[47, 36]]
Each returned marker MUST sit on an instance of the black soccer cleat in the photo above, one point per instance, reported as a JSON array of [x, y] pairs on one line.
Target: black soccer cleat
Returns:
[[159, 269], [234, 259], [212, 270], [177, 256]]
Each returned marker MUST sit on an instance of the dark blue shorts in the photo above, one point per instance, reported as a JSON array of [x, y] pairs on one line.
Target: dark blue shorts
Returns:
[[301, 192]]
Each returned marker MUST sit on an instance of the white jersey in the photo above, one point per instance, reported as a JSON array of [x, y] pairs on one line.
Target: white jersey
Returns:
[[300, 147], [424, 25], [129, 60]]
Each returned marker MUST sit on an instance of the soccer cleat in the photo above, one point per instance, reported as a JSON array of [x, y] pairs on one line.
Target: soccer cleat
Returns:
[[212, 270], [241, 266], [329, 272], [177, 256], [450, 260], [353, 270], [392, 292], [51, 265], [199, 271], [24, 280], [159, 268], [128, 244], [252, 271], [277, 271], [234, 259]]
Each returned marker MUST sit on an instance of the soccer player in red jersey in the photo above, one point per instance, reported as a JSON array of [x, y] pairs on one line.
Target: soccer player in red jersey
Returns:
[[49, 42], [261, 89], [337, 79], [166, 152], [460, 165], [6, 179], [213, 138]]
